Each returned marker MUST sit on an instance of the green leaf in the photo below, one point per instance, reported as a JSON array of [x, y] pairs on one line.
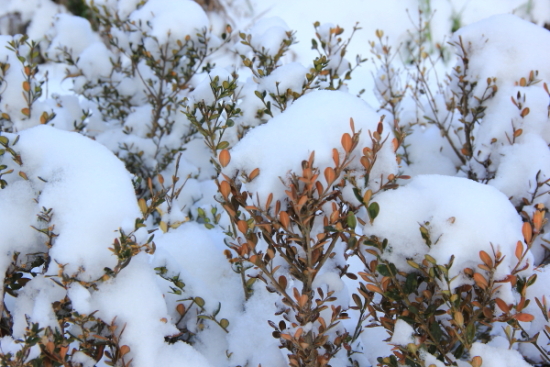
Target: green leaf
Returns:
[[222, 145], [199, 301], [470, 333], [411, 284], [435, 330], [386, 270], [224, 323], [352, 221], [3, 140], [373, 210], [357, 193]]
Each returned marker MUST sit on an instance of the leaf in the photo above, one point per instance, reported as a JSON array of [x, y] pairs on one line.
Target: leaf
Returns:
[[351, 220], [25, 111], [180, 308], [386, 270], [519, 250], [435, 330], [527, 232], [224, 157], [330, 175], [336, 157], [283, 282], [367, 196], [481, 281], [222, 145], [242, 226], [373, 211], [470, 332], [357, 300], [142, 205], [374, 288], [477, 361], [199, 301], [255, 172], [225, 189], [524, 317], [26, 86], [525, 112], [224, 323], [357, 193], [486, 258], [284, 219], [502, 305], [347, 143], [124, 350]]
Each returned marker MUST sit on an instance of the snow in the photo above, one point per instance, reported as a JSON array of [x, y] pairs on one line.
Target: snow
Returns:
[[75, 166], [403, 334], [461, 228], [81, 177], [316, 122], [497, 357], [162, 19]]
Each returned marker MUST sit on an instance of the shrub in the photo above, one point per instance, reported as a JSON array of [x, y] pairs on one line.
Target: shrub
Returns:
[[199, 198]]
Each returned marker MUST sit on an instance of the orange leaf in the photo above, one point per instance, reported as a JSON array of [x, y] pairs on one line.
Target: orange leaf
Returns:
[[180, 308], [346, 142], [254, 174], [224, 157], [285, 220], [26, 86], [243, 226], [518, 132], [352, 125], [480, 281], [525, 317], [476, 361], [63, 351], [124, 350], [537, 220], [330, 175], [225, 189], [373, 288], [486, 258], [502, 305], [269, 200], [524, 112], [395, 144], [519, 250], [367, 196], [522, 82], [336, 157], [527, 232], [365, 162]]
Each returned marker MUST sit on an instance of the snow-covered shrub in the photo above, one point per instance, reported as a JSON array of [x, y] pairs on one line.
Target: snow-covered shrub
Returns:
[[200, 197]]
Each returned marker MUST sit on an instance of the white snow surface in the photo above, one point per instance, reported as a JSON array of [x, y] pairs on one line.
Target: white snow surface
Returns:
[[463, 218], [314, 123], [91, 196], [77, 178]]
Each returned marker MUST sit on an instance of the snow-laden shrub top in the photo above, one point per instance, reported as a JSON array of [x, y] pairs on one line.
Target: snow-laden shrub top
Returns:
[[202, 195], [314, 123]]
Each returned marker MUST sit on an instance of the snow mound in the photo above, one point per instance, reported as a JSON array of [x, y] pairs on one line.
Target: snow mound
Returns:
[[462, 216], [314, 123]]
